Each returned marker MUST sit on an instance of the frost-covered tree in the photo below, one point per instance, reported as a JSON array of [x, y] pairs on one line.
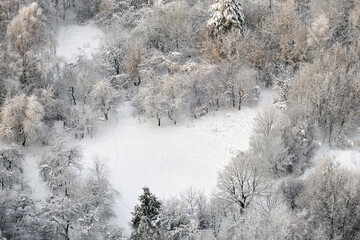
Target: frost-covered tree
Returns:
[[87, 9], [167, 27], [113, 50], [318, 33], [28, 44], [240, 83], [80, 122], [19, 214], [274, 223], [61, 168], [134, 55], [299, 135], [267, 143], [50, 103], [22, 218], [10, 167], [96, 202], [60, 214], [241, 181], [145, 220], [328, 93], [104, 97], [290, 190], [61, 211], [227, 15], [330, 199], [174, 220], [21, 118], [8, 9]]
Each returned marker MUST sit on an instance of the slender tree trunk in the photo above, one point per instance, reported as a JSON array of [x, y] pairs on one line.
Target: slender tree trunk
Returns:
[[24, 142], [240, 100], [72, 95], [233, 97], [67, 231], [117, 66], [106, 116]]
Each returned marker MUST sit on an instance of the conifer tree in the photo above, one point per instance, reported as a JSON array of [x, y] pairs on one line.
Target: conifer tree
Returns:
[[146, 217], [227, 15]]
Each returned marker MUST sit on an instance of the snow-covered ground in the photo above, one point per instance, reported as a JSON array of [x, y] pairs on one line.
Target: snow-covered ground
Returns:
[[74, 40], [171, 158], [349, 158]]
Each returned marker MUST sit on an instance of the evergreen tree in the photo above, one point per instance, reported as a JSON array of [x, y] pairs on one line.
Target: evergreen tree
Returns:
[[146, 217], [227, 15]]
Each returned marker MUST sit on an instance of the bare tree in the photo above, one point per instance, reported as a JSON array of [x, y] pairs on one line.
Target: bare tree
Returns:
[[242, 180]]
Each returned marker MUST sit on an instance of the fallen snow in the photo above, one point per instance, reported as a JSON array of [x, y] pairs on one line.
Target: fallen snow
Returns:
[[349, 158], [32, 174], [74, 40], [171, 158]]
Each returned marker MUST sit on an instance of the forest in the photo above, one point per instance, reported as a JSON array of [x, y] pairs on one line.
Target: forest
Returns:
[[105, 144]]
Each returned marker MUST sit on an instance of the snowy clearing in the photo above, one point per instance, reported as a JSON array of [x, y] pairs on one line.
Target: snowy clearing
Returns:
[[75, 40], [349, 159], [169, 159]]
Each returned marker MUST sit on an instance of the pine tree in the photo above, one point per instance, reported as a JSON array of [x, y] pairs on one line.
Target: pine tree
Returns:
[[145, 217], [227, 15]]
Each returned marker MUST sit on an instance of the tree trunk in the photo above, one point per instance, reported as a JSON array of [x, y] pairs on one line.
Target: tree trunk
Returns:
[[72, 95], [24, 142], [233, 97], [240, 100], [106, 116], [159, 122], [67, 231], [117, 66]]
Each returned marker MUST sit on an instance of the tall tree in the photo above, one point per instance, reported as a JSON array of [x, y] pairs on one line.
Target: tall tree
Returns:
[[145, 219], [28, 42], [104, 97]]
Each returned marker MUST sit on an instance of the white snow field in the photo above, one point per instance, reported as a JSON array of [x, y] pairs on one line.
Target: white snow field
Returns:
[[74, 40], [171, 158]]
